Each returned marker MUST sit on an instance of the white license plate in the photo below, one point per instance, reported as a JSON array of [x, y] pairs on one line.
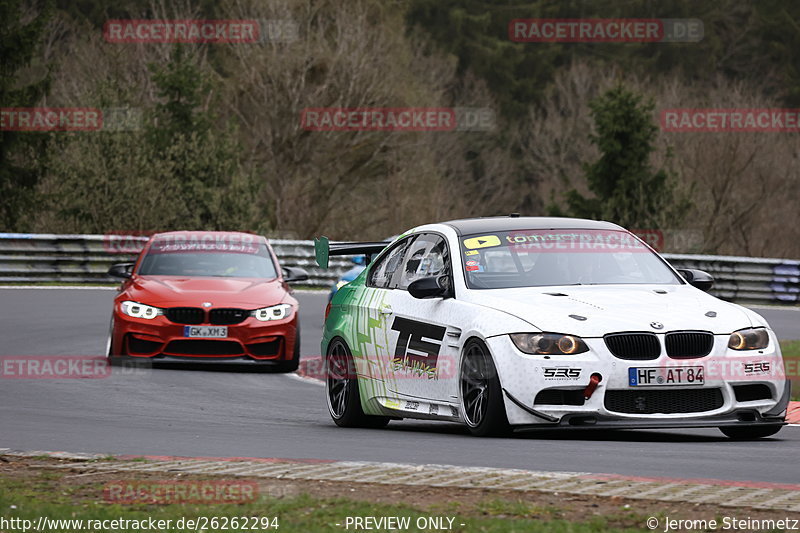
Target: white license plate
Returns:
[[206, 332], [665, 376]]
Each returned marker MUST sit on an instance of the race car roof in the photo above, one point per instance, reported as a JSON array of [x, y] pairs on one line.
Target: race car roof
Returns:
[[467, 226]]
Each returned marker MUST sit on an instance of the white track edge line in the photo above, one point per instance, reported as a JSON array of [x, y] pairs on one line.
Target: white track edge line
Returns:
[[312, 381]]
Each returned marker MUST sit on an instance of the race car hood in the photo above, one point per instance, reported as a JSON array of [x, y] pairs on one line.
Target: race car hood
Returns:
[[172, 291], [593, 311]]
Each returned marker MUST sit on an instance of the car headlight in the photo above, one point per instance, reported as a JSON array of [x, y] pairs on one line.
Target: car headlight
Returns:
[[275, 312], [137, 310], [341, 283], [749, 339], [549, 343]]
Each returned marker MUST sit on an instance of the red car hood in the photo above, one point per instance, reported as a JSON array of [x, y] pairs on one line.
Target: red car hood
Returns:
[[172, 291]]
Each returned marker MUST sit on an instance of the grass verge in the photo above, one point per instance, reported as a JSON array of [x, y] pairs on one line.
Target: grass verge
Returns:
[[30, 488], [791, 361], [46, 493]]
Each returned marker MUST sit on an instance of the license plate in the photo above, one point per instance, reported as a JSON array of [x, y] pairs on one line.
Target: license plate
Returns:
[[206, 332], [658, 376]]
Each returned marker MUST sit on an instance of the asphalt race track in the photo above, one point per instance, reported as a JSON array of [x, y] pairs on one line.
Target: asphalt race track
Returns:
[[255, 414]]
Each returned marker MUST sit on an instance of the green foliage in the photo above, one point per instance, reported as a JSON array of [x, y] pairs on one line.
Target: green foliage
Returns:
[[181, 85], [18, 169], [203, 162], [778, 29], [181, 170], [97, 12], [221, 139], [625, 188], [751, 40], [477, 34]]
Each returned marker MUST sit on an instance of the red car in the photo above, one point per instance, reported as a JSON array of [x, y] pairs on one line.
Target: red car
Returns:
[[206, 297]]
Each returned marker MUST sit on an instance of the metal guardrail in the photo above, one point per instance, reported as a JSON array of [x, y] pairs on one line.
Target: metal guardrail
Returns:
[[26, 257], [747, 279]]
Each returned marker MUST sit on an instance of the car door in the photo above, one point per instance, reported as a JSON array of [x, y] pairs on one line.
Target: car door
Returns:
[[421, 334], [371, 344]]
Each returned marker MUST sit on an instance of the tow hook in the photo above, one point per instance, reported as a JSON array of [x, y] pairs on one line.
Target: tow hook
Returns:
[[594, 380]]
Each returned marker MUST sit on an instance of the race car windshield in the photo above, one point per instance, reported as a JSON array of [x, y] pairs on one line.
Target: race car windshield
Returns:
[[537, 258], [225, 260]]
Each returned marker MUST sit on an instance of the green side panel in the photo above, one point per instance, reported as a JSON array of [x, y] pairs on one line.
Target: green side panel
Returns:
[[321, 249], [354, 317]]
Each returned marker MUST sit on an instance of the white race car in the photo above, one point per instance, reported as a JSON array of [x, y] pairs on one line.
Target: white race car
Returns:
[[512, 322]]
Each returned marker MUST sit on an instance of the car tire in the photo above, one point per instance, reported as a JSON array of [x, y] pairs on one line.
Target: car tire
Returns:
[[111, 356], [341, 390], [481, 396], [294, 362], [750, 432]]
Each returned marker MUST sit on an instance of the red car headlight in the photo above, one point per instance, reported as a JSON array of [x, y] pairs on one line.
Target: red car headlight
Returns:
[[274, 312], [137, 310]]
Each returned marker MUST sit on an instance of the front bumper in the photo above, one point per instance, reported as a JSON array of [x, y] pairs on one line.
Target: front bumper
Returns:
[[740, 418], [160, 339], [542, 391], [136, 361]]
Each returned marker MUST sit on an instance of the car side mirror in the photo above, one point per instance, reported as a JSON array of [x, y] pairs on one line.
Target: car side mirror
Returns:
[[697, 278], [293, 274], [431, 287], [121, 270]]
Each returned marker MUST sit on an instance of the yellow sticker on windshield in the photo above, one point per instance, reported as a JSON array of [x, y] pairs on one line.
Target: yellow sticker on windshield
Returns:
[[482, 242], [471, 252]]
